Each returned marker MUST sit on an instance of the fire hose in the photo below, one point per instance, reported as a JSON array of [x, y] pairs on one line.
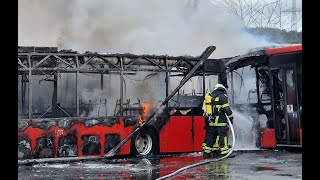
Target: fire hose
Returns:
[[206, 161]]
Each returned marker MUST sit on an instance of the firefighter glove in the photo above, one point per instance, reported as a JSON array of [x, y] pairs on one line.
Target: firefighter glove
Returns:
[[231, 120]]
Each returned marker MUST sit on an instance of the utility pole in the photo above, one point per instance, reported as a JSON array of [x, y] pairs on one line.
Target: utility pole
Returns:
[[293, 10], [294, 16]]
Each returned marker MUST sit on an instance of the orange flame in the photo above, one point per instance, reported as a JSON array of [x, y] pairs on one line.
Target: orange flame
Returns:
[[145, 111]]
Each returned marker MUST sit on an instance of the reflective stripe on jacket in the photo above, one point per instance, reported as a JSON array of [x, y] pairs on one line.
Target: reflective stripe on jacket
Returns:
[[221, 108]]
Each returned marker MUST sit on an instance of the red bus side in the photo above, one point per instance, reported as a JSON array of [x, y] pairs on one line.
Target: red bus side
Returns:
[[182, 134], [179, 134], [33, 134]]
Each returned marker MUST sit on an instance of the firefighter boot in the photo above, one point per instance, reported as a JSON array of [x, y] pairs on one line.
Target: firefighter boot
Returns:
[[206, 155], [232, 155]]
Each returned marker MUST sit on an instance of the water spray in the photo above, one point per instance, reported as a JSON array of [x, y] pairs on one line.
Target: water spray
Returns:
[[206, 161]]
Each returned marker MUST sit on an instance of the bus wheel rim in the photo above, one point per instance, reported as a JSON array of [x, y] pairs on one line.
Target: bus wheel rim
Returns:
[[143, 143]]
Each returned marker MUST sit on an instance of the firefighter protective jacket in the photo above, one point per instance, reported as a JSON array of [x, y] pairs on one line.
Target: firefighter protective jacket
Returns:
[[220, 108]]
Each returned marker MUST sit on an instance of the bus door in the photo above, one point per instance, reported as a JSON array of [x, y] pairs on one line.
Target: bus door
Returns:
[[285, 105]]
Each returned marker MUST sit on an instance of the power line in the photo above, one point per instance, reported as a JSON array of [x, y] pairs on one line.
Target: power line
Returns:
[[293, 12]]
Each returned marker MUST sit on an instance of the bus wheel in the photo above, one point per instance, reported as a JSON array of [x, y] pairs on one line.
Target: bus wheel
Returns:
[[144, 143]]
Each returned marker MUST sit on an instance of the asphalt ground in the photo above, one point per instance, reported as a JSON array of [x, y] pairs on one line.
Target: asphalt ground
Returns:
[[247, 165]]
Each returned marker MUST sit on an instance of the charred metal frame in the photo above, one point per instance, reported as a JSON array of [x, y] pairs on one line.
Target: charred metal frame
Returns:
[[253, 60], [50, 63], [283, 61]]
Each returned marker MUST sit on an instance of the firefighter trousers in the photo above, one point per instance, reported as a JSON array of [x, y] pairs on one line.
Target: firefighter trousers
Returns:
[[216, 139]]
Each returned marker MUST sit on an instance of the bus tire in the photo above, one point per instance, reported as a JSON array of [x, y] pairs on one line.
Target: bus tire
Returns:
[[144, 143]]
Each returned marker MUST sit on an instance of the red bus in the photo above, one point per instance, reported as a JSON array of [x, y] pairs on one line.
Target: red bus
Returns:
[[266, 84], [74, 104]]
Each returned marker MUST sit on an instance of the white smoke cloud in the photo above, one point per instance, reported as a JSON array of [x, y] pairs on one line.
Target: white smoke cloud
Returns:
[[245, 134], [142, 27]]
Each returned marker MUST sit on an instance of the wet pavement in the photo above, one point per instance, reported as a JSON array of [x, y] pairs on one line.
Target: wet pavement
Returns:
[[247, 165]]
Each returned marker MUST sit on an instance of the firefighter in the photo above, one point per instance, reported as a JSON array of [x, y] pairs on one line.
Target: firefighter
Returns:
[[216, 108]]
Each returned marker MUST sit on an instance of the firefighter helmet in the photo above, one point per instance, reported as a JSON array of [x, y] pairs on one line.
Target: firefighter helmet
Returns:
[[219, 86]]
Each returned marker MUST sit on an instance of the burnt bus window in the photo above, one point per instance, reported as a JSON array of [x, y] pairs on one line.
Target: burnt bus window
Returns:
[[44, 148], [91, 145], [292, 106], [191, 93], [265, 108], [23, 103], [211, 81], [142, 87], [111, 140], [68, 146], [95, 99], [244, 85], [280, 124], [42, 94], [24, 149], [264, 86], [299, 84]]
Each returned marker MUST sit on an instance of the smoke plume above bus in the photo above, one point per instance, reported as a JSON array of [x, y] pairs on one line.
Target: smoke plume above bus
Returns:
[[172, 27]]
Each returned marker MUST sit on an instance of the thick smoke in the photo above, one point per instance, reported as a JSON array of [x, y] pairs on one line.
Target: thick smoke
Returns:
[[171, 27]]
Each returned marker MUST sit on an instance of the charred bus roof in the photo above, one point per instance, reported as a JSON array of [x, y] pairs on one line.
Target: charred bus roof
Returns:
[[282, 50], [259, 57], [52, 59]]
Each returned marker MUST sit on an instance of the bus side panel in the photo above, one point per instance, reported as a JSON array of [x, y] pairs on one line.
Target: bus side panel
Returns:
[[163, 138], [55, 134], [268, 139], [177, 134], [199, 132]]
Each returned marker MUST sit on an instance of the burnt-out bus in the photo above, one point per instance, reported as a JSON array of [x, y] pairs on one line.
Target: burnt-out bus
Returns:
[[266, 85], [74, 104]]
